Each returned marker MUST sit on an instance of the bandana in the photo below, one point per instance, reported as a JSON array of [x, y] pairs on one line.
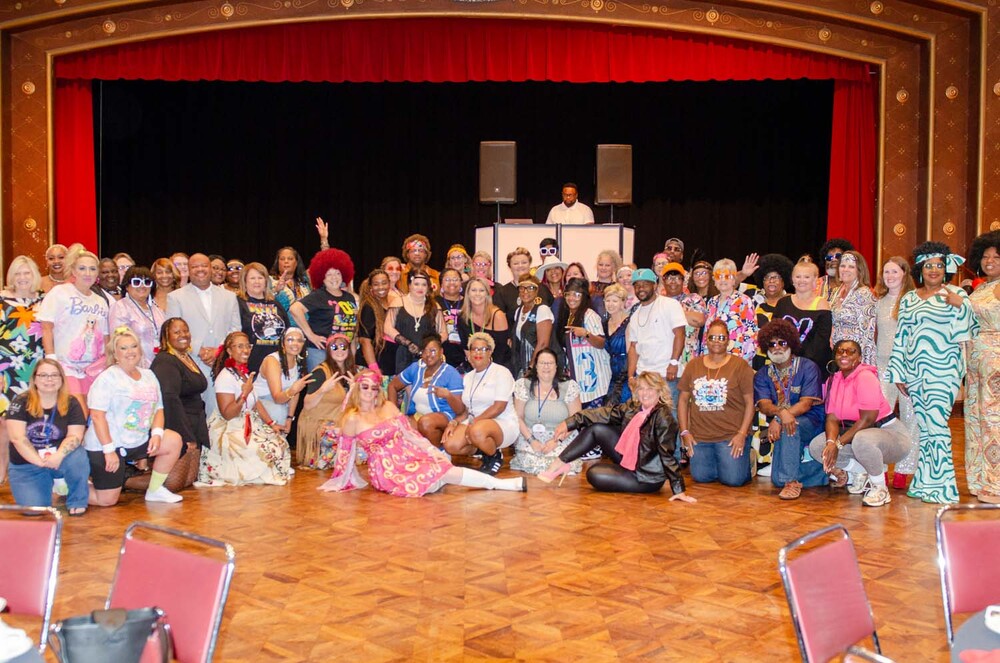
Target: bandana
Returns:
[[951, 261]]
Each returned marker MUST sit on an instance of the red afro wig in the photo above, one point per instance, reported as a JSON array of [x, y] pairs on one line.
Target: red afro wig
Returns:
[[326, 260]]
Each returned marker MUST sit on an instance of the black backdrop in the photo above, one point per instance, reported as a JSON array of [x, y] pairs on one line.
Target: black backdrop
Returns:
[[241, 169]]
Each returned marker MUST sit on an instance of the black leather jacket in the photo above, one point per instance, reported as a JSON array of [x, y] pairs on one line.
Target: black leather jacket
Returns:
[[657, 438]]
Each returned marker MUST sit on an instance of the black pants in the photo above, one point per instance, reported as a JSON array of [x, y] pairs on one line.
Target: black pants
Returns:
[[603, 476]]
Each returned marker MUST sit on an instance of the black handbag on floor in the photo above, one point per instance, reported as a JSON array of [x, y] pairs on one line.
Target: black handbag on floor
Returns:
[[112, 635]]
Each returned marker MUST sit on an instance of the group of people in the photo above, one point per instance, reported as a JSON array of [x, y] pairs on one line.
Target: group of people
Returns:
[[198, 371]]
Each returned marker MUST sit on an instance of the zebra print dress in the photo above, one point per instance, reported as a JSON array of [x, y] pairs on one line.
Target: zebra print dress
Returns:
[[927, 357]]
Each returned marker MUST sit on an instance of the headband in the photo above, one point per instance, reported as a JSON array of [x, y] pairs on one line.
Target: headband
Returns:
[[416, 244], [849, 259], [952, 261], [368, 375]]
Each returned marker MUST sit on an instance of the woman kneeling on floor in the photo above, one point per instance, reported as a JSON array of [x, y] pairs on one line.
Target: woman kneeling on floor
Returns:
[[126, 410], [400, 461], [638, 437]]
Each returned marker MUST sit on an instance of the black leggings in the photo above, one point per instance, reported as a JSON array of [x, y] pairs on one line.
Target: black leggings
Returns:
[[604, 477]]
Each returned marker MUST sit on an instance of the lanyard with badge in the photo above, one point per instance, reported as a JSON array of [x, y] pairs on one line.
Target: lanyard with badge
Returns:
[[49, 430], [539, 428]]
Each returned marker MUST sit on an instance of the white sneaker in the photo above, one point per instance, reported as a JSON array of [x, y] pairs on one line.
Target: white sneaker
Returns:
[[60, 487], [764, 471], [161, 494], [877, 496], [860, 484]]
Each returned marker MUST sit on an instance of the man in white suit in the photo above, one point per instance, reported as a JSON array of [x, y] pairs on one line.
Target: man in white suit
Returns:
[[211, 313]]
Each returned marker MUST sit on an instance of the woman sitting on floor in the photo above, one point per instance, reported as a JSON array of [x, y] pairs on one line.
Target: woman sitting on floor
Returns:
[[46, 429], [433, 390], [400, 461], [246, 444], [542, 401], [637, 436], [317, 433]]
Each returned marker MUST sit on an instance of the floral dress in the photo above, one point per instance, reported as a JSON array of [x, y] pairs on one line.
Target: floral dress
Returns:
[[553, 412], [739, 313], [982, 396], [927, 358], [242, 450], [20, 346], [400, 461]]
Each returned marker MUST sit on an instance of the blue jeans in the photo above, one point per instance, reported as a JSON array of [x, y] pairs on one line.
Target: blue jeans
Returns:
[[675, 393], [713, 461], [787, 462], [32, 485], [314, 357]]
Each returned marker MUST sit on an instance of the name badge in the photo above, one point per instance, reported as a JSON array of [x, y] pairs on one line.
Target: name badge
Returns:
[[45, 452], [538, 429]]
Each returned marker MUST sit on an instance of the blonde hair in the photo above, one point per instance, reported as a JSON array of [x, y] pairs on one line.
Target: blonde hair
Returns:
[[616, 259], [117, 333], [484, 337], [466, 311], [807, 265], [268, 289], [724, 263], [657, 382], [352, 403], [16, 264], [519, 251], [34, 404], [616, 290], [76, 253]]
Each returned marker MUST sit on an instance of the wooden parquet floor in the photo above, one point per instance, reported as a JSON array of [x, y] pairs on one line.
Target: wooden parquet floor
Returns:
[[557, 574]]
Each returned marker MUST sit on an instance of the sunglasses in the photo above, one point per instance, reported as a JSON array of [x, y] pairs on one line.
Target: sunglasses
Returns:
[[777, 344], [724, 274], [846, 351], [140, 282], [833, 256], [548, 251], [481, 264], [234, 268], [718, 337], [480, 351], [368, 386], [673, 277], [933, 265], [338, 346], [527, 287]]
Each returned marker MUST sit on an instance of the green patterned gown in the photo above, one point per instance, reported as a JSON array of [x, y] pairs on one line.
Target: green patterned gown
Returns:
[[927, 357]]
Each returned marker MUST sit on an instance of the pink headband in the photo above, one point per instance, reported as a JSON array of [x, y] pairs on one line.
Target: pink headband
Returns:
[[416, 244]]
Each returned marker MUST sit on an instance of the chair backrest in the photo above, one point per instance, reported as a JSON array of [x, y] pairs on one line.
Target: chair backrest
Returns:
[[967, 559], [826, 595], [856, 654], [190, 587], [30, 539]]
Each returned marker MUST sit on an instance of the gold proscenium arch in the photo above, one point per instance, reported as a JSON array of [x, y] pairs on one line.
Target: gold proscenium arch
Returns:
[[938, 63]]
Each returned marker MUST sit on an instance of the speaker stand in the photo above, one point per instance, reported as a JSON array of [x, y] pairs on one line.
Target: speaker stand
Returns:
[[612, 214], [498, 211]]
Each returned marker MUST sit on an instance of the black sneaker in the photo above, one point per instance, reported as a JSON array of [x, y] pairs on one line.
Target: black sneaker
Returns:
[[593, 454], [492, 464]]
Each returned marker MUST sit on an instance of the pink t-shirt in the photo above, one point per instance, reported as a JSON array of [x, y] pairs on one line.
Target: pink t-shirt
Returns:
[[858, 391]]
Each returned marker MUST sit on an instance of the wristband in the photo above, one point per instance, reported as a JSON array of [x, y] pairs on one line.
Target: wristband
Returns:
[[673, 362], [373, 366], [51, 355], [108, 448], [685, 432], [156, 431], [270, 423]]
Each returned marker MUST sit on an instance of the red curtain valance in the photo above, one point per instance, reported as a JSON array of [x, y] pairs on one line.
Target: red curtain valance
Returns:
[[458, 50], [451, 50]]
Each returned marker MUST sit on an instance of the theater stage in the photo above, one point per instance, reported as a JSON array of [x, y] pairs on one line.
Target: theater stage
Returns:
[[557, 574]]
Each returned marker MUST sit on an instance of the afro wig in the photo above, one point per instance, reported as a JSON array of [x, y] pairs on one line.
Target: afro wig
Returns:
[[329, 259], [979, 246], [834, 243], [779, 329], [775, 262]]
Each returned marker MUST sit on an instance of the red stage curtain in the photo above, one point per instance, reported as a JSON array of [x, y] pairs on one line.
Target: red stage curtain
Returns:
[[851, 207], [421, 50]]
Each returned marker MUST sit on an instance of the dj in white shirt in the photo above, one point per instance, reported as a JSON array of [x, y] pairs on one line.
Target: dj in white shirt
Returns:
[[570, 211]]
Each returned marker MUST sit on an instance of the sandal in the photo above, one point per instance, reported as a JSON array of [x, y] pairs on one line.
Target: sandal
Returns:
[[77, 511], [840, 478], [791, 491]]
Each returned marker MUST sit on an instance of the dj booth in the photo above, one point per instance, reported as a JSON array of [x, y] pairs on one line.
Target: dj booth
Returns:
[[576, 243]]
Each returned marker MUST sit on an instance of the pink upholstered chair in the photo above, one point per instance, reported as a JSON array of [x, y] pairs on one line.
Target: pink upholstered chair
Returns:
[[30, 538], [967, 558], [190, 587], [826, 595]]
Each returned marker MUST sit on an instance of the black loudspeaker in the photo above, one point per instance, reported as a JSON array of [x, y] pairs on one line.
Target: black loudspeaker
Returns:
[[498, 171], [614, 175]]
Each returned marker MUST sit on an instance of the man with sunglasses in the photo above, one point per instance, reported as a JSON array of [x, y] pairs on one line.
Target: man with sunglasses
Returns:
[[570, 211], [655, 334], [788, 392], [829, 254]]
